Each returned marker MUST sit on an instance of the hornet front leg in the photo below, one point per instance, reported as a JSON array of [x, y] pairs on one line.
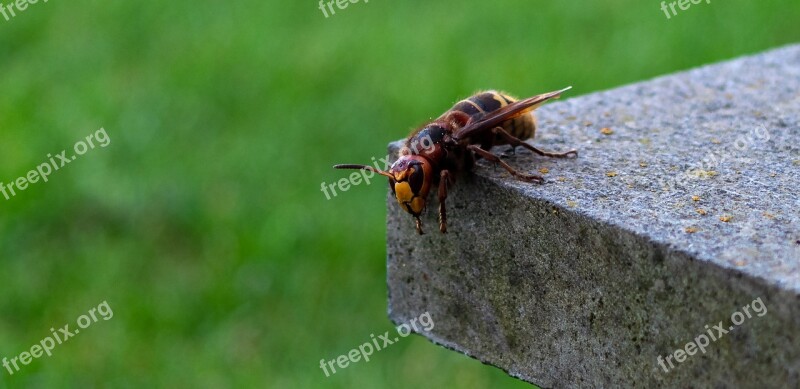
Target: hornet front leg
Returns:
[[444, 180]]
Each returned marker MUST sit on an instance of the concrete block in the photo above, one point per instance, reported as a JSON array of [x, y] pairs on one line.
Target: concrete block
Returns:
[[678, 215]]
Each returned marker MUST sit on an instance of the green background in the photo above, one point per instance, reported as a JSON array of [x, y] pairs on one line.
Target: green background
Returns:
[[203, 224]]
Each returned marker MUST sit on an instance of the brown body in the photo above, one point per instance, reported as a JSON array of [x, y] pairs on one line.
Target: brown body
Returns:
[[451, 143], [521, 127]]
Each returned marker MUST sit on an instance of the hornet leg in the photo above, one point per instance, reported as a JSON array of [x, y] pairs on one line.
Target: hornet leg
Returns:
[[512, 151], [493, 158], [514, 142], [443, 182]]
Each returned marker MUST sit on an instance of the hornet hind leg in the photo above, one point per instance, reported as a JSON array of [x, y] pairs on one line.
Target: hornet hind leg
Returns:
[[493, 158], [514, 142]]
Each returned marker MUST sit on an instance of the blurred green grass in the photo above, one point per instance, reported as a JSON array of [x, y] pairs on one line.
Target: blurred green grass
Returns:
[[203, 224]]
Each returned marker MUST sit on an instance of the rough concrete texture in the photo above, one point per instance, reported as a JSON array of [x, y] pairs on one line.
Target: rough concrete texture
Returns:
[[584, 281]]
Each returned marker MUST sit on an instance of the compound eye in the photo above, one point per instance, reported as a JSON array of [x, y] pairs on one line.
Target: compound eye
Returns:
[[391, 185], [416, 179]]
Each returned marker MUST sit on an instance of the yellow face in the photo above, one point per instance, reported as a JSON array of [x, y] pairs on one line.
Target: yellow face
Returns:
[[411, 182], [412, 203]]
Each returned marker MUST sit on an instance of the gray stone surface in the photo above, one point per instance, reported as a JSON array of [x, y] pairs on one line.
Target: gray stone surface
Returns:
[[584, 281]]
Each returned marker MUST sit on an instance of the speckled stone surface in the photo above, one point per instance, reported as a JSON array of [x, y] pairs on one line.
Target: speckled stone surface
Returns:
[[684, 210]]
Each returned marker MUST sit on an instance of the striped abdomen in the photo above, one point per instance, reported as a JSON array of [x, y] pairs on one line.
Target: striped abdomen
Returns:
[[522, 127]]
